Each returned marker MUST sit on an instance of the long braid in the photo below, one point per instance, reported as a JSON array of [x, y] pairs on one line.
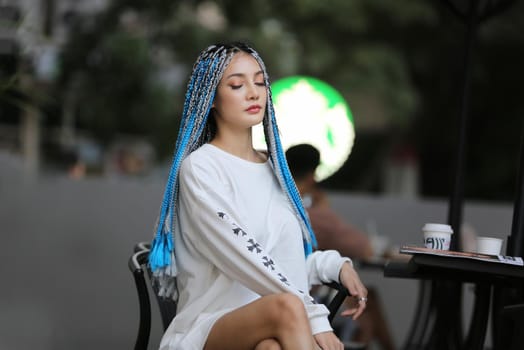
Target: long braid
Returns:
[[195, 130], [281, 169]]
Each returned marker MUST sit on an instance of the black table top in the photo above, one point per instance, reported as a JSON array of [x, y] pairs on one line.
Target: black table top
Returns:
[[435, 267]]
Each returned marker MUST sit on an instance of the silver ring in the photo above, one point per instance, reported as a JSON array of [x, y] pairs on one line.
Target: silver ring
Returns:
[[364, 299]]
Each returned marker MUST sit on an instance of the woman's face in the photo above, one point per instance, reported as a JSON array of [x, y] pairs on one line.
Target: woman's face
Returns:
[[240, 100]]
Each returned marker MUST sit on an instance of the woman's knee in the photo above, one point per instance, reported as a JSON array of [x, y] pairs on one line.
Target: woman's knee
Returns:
[[287, 308]]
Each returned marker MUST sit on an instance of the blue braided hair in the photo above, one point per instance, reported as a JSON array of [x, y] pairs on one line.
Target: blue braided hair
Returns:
[[196, 129]]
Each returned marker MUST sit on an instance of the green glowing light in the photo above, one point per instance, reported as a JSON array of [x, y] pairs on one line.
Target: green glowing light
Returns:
[[310, 111]]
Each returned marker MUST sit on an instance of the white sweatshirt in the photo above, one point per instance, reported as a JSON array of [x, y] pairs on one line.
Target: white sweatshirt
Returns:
[[237, 239]]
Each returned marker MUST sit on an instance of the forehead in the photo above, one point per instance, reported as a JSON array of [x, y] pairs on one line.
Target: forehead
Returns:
[[242, 63]]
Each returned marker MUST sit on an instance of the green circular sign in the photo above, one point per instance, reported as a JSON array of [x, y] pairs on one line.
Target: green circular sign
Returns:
[[310, 111]]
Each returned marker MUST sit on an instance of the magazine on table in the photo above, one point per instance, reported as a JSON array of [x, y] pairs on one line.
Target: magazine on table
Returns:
[[511, 260]]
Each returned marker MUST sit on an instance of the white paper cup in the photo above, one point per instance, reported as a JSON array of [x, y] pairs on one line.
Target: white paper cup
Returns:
[[489, 245], [437, 236]]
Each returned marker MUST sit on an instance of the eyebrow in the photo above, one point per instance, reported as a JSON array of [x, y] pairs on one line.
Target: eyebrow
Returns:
[[243, 75]]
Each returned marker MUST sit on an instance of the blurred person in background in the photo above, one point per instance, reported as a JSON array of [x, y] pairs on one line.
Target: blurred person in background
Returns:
[[333, 232]]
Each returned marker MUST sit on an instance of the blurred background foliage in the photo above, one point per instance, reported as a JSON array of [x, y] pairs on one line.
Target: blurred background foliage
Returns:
[[340, 42], [397, 63]]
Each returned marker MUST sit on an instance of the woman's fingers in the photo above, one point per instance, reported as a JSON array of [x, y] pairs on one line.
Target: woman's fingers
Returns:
[[355, 307]]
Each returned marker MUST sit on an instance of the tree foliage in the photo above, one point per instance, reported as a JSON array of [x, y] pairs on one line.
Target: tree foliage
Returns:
[[401, 59]]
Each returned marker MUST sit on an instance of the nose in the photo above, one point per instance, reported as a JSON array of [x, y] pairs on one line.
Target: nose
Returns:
[[252, 92]]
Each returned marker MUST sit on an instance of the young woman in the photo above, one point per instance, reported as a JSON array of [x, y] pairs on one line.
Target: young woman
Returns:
[[234, 219]]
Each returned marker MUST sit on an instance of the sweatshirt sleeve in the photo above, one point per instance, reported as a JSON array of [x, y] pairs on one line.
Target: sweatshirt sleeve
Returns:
[[324, 266], [219, 235]]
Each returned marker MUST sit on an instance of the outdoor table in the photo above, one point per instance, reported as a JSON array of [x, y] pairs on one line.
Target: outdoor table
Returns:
[[483, 274]]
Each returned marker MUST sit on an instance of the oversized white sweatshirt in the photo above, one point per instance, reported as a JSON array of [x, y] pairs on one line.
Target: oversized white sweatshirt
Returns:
[[237, 239]]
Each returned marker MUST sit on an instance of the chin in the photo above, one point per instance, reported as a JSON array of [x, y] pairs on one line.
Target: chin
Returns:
[[256, 119]]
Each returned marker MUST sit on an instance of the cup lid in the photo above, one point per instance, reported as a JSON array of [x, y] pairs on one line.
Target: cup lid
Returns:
[[495, 239], [438, 228]]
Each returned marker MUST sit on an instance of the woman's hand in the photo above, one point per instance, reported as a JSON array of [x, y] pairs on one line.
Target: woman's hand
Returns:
[[357, 302], [328, 341]]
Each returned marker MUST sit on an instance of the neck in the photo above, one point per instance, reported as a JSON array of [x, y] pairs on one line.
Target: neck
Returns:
[[240, 145], [302, 188], [306, 184]]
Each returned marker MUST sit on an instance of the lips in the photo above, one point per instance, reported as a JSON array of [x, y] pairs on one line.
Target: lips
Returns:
[[253, 109]]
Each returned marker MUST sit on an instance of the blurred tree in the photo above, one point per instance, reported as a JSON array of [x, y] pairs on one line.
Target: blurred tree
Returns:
[[396, 62], [108, 74], [296, 37], [10, 96]]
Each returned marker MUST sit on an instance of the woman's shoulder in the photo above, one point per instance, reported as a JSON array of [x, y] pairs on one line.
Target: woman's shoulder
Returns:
[[203, 159], [211, 161], [202, 154]]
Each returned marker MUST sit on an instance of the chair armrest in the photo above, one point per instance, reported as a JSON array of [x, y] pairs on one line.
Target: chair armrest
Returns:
[[140, 246], [337, 300]]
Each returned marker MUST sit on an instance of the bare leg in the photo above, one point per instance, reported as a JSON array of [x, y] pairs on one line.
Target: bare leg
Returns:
[[276, 318]]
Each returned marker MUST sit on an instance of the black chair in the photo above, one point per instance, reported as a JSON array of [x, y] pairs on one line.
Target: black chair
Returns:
[[142, 275]]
